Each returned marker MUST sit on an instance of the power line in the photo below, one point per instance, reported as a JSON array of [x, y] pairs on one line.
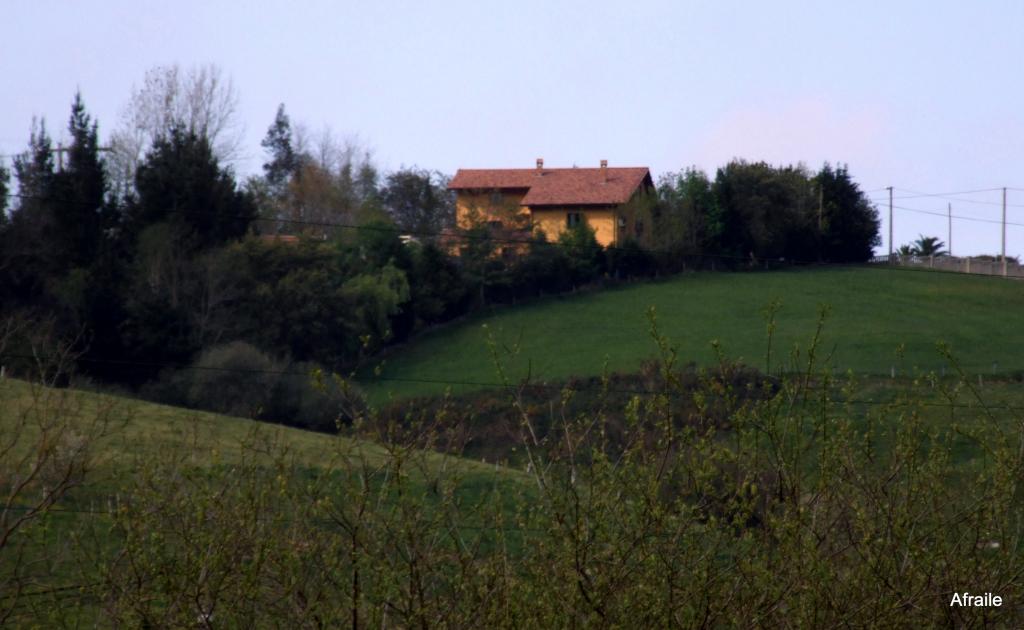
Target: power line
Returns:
[[949, 198], [917, 193], [956, 216]]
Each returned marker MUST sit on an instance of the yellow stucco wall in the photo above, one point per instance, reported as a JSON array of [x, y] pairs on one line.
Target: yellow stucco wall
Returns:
[[479, 206], [473, 206], [553, 221]]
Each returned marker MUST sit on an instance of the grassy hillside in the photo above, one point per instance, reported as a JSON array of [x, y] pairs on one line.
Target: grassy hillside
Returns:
[[874, 312], [139, 431], [176, 466]]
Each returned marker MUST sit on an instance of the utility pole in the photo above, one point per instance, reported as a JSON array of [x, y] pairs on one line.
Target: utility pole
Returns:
[[61, 150], [949, 239], [1004, 231], [60, 155], [890, 225]]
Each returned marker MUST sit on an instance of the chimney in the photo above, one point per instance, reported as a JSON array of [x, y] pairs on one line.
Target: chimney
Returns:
[[604, 170], [540, 166]]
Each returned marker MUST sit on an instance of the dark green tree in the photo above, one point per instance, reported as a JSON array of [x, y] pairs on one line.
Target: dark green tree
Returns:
[[182, 185], [34, 168], [585, 255], [28, 265], [419, 201], [476, 253], [93, 252], [5, 192], [543, 270], [283, 162], [186, 206], [687, 217], [848, 223], [366, 186], [79, 194], [436, 286], [765, 211], [629, 260]]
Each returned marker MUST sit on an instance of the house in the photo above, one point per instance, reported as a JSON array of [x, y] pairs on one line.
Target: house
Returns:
[[612, 201]]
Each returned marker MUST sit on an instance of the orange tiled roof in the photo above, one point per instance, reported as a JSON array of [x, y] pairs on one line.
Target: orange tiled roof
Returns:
[[557, 186]]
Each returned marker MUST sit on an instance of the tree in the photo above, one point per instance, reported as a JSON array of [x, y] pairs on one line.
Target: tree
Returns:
[[436, 287], [928, 246], [283, 163], [5, 180], [34, 168], [544, 269], [687, 218], [764, 211], [68, 209], [80, 203], [585, 255], [26, 266], [316, 181], [200, 100], [186, 206], [419, 201], [848, 223], [5, 192], [183, 185]]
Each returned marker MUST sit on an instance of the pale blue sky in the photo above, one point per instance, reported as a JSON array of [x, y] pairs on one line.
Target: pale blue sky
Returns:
[[923, 96]]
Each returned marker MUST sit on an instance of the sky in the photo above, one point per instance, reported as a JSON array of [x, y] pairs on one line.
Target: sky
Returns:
[[925, 97]]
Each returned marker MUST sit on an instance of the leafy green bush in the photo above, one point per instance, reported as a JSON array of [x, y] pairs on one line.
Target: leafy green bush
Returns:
[[240, 380], [234, 379]]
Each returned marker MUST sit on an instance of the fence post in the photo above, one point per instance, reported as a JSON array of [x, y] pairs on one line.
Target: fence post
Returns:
[[968, 264]]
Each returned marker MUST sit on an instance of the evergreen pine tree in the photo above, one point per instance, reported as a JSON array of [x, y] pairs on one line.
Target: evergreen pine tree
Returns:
[[5, 193], [182, 184], [283, 162], [26, 263], [79, 193]]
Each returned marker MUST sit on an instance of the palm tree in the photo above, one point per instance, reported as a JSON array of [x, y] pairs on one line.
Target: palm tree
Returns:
[[929, 246]]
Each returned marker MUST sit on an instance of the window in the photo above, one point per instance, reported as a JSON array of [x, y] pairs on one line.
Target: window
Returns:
[[497, 198], [622, 222], [639, 227], [573, 219]]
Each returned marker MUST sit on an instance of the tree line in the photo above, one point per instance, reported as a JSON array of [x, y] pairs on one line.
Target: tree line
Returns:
[[154, 254]]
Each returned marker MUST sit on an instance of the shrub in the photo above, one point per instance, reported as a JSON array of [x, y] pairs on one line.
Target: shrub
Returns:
[[238, 379], [235, 379]]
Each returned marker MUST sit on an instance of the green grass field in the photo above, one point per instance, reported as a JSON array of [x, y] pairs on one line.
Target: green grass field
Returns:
[[139, 439], [874, 311], [139, 431]]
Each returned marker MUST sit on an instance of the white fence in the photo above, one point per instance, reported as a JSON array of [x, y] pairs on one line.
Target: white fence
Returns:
[[986, 265]]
